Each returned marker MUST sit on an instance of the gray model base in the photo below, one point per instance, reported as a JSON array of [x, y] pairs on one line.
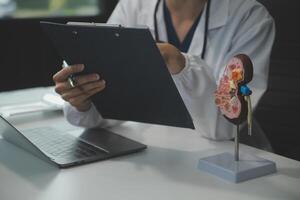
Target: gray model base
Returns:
[[248, 167]]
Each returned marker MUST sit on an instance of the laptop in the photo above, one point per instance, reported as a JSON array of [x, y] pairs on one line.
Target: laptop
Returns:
[[64, 150]]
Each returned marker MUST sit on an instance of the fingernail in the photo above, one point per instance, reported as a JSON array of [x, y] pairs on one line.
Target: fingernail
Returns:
[[104, 82], [81, 67], [97, 77]]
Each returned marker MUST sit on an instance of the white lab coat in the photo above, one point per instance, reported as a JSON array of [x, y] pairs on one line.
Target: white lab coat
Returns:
[[235, 26]]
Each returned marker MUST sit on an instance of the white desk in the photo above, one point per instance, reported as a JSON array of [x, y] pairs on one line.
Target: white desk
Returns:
[[166, 170]]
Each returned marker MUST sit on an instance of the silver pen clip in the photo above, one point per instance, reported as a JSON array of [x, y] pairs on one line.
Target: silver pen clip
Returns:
[[71, 80]]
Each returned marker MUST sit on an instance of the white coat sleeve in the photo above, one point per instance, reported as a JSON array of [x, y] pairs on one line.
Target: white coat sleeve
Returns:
[[88, 119], [197, 84], [255, 38], [92, 118]]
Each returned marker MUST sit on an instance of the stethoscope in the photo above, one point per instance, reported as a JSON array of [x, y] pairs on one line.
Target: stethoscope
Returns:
[[205, 28]]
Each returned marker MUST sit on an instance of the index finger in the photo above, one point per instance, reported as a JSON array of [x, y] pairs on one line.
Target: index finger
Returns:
[[63, 74]]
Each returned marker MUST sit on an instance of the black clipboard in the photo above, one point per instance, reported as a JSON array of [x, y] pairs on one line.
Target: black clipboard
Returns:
[[139, 86]]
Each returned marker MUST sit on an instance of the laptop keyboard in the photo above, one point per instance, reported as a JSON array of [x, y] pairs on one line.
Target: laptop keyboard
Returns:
[[61, 145]]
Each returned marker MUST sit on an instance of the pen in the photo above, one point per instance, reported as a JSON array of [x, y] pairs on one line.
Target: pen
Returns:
[[71, 80]]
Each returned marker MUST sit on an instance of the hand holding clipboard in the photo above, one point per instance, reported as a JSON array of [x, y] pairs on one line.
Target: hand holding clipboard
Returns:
[[77, 90]]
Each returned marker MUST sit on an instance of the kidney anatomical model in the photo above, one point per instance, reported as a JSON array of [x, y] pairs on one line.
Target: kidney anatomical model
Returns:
[[232, 93]]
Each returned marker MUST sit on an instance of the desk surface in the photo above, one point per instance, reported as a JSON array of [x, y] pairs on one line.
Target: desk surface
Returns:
[[166, 170]]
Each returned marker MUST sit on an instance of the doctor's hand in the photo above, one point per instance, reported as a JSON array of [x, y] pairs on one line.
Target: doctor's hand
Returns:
[[85, 86], [174, 59]]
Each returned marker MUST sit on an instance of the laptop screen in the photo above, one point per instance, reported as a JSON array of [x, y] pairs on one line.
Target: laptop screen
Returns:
[[12, 135]]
